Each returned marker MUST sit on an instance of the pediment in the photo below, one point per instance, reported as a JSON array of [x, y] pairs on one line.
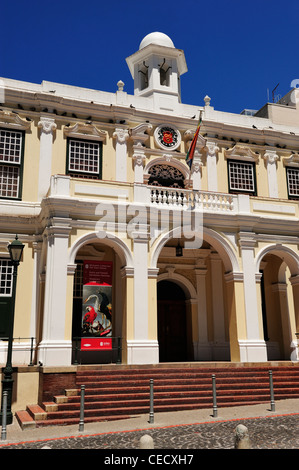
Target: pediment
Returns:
[[85, 131], [242, 153], [292, 160], [13, 120]]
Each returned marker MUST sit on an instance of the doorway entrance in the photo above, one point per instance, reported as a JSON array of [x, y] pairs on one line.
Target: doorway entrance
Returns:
[[172, 330]]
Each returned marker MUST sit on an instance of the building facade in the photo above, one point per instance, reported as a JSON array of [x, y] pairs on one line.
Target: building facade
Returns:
[[202, 264]]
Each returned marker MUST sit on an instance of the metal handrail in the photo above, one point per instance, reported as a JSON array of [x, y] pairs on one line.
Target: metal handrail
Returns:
[[32, 338]]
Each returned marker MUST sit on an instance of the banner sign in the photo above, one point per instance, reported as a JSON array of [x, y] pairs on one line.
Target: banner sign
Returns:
[[97, 271], [96, 305], [94, 344]]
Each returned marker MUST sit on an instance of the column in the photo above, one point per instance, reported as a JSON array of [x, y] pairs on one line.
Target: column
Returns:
[[254, 346], [196, 171], [212, 152], [121, 136], [294, 280], [271, 157], [219, 343], [236, 315], [281, 289], [141, 349], [138, 161], [127, 277], [55, 349], [139, 135], [47, 126], [203, 350], [35, 304]]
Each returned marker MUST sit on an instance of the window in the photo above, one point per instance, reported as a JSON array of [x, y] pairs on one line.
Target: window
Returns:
[[166, 175], [11, 156], [241, 177], [84, 159], [293, 182], [6, 273], [6, 285], [164, 74]]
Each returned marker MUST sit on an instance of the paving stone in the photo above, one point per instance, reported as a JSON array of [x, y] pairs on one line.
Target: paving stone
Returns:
[[277, 432]]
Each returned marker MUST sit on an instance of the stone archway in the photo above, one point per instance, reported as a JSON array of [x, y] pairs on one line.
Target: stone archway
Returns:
[[278, 268], [112, 250]]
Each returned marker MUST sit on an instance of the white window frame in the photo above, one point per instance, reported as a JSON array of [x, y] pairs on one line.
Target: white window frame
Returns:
[[11, 162], [6, 277]]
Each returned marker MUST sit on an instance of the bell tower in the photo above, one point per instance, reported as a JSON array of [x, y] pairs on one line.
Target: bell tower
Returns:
[[156, 69]]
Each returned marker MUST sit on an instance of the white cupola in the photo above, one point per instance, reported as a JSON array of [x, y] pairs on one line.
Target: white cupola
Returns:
[[156, 69]]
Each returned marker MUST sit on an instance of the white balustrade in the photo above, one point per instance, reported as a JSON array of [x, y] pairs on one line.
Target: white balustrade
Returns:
[[183, 198]]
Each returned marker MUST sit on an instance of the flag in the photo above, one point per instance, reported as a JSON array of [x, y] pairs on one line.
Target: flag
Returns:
[[190, 153]]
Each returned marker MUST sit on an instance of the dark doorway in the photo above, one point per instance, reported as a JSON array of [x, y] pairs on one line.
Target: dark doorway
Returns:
[[172, 329]]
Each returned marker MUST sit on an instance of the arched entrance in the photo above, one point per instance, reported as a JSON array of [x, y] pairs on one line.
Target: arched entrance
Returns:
[[172, 328], [277, 270], [105, 259]]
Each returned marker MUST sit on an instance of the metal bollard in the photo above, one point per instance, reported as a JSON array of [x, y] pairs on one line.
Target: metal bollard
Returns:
[[271, 390], [4, 415], [81, 422], [151, 414], [215, 412]]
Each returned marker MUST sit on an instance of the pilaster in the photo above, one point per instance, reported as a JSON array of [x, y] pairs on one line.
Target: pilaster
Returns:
[[212, 153], [254, 345], [121, 135], [47, 126], [271, 157], [54, 348]]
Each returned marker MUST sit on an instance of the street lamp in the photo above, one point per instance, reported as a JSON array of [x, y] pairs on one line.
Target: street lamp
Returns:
[[15, 251]]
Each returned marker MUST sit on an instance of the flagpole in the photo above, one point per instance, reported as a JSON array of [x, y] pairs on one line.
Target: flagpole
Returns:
[[197, 129]]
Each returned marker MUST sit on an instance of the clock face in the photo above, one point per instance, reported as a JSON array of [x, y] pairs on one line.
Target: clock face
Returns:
[[168, 137]]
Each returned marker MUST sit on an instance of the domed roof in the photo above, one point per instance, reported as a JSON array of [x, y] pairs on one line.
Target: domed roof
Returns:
[[160, 39]]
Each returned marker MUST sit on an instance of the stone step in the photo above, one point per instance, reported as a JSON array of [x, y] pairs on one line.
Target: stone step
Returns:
[[113, 394], [25, 420], [37, 412]]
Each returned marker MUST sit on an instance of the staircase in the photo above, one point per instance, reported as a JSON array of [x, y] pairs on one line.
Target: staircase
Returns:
[[112, 394]]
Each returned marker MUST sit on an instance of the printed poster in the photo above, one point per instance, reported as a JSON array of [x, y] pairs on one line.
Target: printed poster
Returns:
[[97, 305]]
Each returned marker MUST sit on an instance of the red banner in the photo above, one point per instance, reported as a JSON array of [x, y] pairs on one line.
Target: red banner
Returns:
[[97, 271]]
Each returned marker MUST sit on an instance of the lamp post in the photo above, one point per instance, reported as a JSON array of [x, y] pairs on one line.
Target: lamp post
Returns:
[[15, 251]]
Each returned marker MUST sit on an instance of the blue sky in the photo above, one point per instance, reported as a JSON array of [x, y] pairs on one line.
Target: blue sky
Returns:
[[236, 51]]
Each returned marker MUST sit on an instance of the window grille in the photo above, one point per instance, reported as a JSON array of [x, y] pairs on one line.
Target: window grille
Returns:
[[241, 177], [293, 182], [6, 273], [166, 175], [11, 143], [10, 146], [78, 280], [9, 181], [84, 158]]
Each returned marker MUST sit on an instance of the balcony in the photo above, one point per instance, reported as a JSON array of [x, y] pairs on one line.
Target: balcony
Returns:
[[89, 193]]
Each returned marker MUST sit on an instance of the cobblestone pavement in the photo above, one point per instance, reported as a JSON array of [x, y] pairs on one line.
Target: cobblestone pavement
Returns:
[[277, 432]]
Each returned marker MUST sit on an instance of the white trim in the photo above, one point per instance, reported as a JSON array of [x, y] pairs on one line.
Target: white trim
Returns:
[[142, 352], [253, 350], [111, 240], [290, 257]]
